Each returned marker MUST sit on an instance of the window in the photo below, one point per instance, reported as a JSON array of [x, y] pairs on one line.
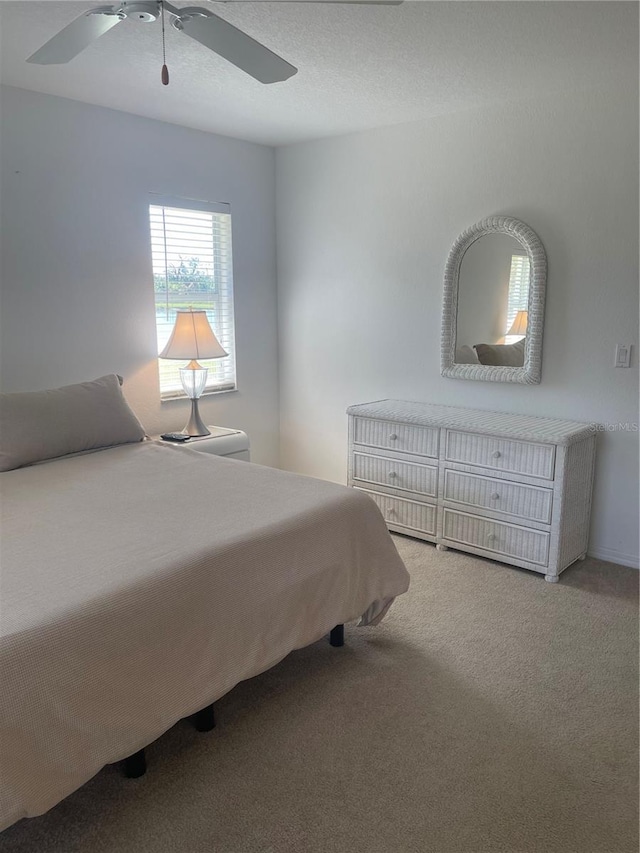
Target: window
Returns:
[[518, 299], [192, 268]]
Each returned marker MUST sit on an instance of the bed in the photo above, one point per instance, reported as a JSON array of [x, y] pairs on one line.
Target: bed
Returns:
[[139, 583]]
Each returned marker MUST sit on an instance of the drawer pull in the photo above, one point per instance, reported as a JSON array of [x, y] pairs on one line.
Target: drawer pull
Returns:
[[393, 437], [392, 475], [495, 496], [491, 537], [496, 454], [391, 512]]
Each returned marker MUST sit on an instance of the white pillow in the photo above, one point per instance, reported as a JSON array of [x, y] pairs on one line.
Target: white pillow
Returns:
[[509, 355], [37, 425], [465, 355]]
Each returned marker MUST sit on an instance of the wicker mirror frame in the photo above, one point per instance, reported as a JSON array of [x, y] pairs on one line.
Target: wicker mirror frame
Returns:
[[529, 373]]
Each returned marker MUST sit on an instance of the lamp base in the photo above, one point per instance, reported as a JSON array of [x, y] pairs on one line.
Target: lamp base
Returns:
[[195, 427]]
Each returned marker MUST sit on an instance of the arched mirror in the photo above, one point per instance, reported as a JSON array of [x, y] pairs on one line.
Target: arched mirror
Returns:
[[493, 312]]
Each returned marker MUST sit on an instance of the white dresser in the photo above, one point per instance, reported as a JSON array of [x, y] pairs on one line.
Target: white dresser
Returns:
[[513, 488]]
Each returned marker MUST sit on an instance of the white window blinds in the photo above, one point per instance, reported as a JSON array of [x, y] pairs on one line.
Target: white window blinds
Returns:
[[192, 268], [518, 299]]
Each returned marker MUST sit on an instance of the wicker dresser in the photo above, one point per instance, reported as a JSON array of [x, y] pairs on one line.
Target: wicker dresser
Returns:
[[513, 488]]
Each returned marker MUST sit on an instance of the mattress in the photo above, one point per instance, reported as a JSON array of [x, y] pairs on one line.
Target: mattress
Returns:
[[140, 583]]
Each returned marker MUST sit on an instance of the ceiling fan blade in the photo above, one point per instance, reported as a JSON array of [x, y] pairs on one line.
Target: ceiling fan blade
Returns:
[[75, 37], [235, 46]]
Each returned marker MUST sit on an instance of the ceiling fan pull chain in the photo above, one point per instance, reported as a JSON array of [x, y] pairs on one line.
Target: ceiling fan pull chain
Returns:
[[165, 71]]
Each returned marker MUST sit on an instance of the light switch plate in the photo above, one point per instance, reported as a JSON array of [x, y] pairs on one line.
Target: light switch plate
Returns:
[[623, 355]]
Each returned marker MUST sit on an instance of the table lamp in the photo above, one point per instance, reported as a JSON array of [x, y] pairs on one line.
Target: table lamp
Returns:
[[192, 338], [519, 325]]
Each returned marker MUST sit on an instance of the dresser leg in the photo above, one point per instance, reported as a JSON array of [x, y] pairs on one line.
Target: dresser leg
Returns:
[[582, 556], [552, 578], [441, 547]]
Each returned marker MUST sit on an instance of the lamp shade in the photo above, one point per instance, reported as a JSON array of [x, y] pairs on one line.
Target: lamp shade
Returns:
[[519, 325], [192, 338]]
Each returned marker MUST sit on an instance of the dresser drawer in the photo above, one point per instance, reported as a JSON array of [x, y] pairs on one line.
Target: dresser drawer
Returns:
[[519, 457], [527, 502], [405, 513], [407, 438], [382, 470], [497, 537]]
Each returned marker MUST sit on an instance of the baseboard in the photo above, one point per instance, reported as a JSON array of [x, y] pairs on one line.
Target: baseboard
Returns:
[[612, 556]]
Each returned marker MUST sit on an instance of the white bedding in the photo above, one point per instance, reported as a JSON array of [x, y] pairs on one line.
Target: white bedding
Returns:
[[142, 582]]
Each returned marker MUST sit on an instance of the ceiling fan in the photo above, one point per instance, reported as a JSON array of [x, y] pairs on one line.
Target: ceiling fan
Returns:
[[213, 32]]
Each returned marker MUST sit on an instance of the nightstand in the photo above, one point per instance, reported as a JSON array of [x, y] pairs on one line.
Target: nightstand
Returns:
[[232, 443]]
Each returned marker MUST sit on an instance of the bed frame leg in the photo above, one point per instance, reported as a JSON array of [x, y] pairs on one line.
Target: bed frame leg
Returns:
[[336, 637], [135, 765], [204, 720]]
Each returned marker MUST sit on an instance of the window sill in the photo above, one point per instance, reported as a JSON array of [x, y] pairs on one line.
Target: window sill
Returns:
[[180, 395]]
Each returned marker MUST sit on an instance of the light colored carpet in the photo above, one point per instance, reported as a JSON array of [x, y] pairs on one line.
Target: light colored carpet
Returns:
[[490, 713]]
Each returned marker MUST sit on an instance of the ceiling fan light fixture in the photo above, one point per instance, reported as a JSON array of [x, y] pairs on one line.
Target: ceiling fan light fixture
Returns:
[[106, 11], [187, 15], [146, 13]]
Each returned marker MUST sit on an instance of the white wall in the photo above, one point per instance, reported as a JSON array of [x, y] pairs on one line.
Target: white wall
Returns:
[[364, 226], [77, 292]]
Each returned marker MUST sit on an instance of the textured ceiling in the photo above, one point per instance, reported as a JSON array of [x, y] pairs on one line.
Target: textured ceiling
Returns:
[[359, 66]]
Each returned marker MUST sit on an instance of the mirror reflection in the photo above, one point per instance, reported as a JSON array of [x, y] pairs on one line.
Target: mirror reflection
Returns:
[[493, 299]]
